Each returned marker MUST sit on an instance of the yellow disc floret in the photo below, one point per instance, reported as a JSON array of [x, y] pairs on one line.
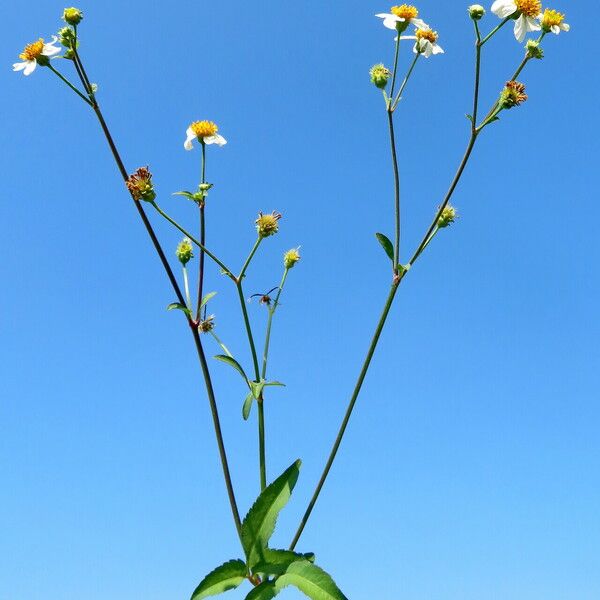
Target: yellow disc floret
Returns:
[[529, 8], [32, 51], [405, 11], [427, 34], [204, 129], [552, 18]]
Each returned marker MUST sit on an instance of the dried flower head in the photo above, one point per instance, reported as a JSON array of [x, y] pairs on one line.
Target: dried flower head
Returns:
[[185, 251], [512, 95], [380, 75], [291, 257], [72, 16], [447, 217], [140, 185], [268, 224], [207, 324]]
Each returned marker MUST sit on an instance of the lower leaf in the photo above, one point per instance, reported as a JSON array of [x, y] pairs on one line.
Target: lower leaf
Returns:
[[311, 580], [224, 578]]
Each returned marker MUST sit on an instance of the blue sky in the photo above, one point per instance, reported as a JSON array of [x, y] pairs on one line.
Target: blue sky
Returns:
[[471, 467]]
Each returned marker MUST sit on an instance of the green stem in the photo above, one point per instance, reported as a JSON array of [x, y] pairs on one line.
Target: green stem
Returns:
[[262, 450], [349, 410], [270, 323], [493, 32], [186, 285], [477, 74], [250, 257], [242, 300], [217, 339], [65, 80], [396, 54], [202, 236], [192, 238], [396, 191], [399, 94]]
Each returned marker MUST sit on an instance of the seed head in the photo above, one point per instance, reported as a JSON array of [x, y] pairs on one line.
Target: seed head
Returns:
[[512, 95], [290, 258], [267, 225], [140, 185]]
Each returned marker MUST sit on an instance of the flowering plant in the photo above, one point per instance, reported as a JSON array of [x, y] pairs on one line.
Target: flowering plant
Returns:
[[265, 569]]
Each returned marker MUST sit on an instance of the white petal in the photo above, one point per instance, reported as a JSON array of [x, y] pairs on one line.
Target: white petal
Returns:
[[19, 66], [391, 22], [555, 29], [504, 8], [190, 137], [565, 26], [532, 24], [520, 28], [407, 37], [215, 139], [419, 23], [30, 68], [427, 48], [50, 50], [437, 49]]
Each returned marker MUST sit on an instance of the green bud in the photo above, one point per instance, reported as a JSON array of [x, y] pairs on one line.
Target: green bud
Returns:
[[448, 216], [291, 257], [380, 75], [534, 50], [72, 16], [66, 37], [185, 251], [476, 11]]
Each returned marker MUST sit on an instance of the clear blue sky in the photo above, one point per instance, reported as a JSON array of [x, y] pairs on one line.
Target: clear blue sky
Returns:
[[471, 470]]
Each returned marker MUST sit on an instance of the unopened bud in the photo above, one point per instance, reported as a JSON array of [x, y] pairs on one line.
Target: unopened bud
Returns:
[[72, 16], [476, 11], [185, 251], [67, 37], [534, 50], [268, 224], [290, 258], [380, 75], [447, 217]]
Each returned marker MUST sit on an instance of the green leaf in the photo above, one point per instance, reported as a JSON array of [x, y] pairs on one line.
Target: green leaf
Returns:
[[386, 245], [265, 591], [311, 580], [247, 406], [470, 117], [274, 383], [226, 577], [179, 306], [257, 387], [259, 524], [232, 363], [207, 298], [276, 562], [185, 193]]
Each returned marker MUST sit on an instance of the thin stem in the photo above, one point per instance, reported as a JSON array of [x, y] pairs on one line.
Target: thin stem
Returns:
[[396, 191], [493, 32], [410, 70], [250, 257], [477, 73], [192, 238], [201, 260], [65, 80], [240, 290], [186, 285], [262, 450], [349, 410], [217, 339], [396, 54], [270, 324]]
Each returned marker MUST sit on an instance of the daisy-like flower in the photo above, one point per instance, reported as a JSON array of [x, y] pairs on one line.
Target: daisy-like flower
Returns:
[[36, 53], [205, 132], [524, 12], [400, 17], [553, 21], [426, 43]]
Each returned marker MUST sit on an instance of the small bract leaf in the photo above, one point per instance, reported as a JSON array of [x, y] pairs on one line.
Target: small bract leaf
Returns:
[[259, 524], [184, 193], [224, 578], [386, 245], [207, 298], [179, 306], [232, 363], [311, 580], [274, 383], [247, 406]]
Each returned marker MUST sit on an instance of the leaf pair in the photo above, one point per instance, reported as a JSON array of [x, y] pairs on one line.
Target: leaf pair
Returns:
[[185, 309]]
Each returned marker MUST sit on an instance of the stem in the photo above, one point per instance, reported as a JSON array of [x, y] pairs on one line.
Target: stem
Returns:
[[250, 257], [65, 80], [248, 328], [342, 430], [493, 32], [270, 323], [396, 190], [225, 349], [186, 285], [191, 237], [477, 74], [397, 52], [202, 236], [399, 94], [262, 451]]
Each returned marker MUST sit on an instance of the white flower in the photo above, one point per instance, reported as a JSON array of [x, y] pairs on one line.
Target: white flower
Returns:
[[33, 52], [426, 43], [528, 11], [205, 132], [401, 17], [553, 21]]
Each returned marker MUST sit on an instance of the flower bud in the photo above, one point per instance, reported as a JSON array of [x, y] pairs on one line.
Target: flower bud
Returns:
[[207, 325], [267, 225], [380, 75], [185, 251], [140, 185], [476, 11], [72, 16], [534, 50], [448, 216], [67, 37], [290, 258], [512, 95]]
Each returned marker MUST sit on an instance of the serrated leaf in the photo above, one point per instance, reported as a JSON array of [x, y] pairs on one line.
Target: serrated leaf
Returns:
[[179, 306], [386, 244], [224, 578], [311, 580], [257, 387], [232, 363], [259, 524], [247, 407], [207, 298], [276, 562], [265, 591]]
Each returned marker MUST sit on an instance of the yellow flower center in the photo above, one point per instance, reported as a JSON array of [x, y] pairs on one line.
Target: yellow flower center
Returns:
[[203, 129], [427, 34], [32, 51], [405, 11], [552, 18], [530, 8]]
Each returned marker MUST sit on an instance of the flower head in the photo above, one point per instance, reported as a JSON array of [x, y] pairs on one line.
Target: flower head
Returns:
[[205, 132], [553, 21], [207, 324], [72, 16], [512, 95], [400, 17], [268, 224], [447, 217], [291, 257], [380, 75], [427, 43], [66, 35], [36, 53], [534, 50], [476, 11], [185, 251], [524, 12], [140, 185]]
